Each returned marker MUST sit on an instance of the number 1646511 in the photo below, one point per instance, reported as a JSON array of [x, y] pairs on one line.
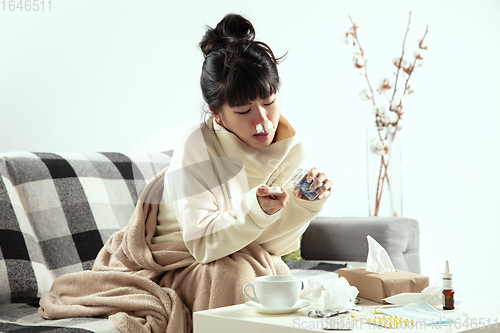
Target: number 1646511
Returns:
[[26, 5]]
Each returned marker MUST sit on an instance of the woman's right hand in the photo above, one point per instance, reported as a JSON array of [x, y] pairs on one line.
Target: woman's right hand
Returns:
[[271, 204]]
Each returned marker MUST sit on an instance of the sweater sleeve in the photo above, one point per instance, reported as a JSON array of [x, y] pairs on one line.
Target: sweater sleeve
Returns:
[[282, 236], [211, 232]]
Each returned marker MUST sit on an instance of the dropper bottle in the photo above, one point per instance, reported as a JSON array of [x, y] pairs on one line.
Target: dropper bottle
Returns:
[[448, 300]]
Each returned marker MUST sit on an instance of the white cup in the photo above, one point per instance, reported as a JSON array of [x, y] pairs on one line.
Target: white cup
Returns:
[[276, 291]]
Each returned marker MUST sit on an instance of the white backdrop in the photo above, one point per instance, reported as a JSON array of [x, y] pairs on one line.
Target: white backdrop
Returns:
[[105, 75]]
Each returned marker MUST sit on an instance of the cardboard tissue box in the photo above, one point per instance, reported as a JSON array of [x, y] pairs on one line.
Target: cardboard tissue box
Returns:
[[376, 287], [379, 279]]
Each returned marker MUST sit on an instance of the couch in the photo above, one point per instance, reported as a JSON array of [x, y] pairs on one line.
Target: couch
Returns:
[[58, 209]]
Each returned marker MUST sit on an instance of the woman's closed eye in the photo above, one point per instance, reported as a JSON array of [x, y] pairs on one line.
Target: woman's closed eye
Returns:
[[245, 112], [266, 104], [270, 103]]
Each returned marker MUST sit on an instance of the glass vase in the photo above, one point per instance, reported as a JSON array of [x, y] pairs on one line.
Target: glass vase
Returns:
[[385, 192]]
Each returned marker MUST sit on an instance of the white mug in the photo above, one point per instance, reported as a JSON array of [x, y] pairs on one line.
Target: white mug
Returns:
[[276, 291]]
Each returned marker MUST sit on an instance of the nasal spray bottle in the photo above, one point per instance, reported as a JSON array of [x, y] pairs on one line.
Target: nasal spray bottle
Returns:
[[448, 300]]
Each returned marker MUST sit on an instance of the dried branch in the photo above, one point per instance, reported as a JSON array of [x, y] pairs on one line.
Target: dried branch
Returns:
[[415, 62], [401, 59], [358, 44]]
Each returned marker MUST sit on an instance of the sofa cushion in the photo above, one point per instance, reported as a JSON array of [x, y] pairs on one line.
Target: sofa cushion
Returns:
[[344, 238], [58, 210]]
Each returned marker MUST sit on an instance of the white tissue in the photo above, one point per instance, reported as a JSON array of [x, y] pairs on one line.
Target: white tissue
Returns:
[[333, 294], [340, 295], [313, 289], [378, 260], [267, 126], [431, 295]]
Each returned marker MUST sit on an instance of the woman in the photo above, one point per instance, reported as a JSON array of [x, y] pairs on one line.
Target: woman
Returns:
[[208, 224], [239, 82]]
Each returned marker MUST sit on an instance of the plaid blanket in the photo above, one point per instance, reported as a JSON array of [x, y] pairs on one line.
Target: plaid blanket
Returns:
[[56, 212], [20, 317]]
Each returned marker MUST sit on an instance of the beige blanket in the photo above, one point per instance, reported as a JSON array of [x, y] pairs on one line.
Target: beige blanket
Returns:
[[145, 287]]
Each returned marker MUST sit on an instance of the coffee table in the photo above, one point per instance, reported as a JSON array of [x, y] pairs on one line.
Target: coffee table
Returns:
[[244, 319]]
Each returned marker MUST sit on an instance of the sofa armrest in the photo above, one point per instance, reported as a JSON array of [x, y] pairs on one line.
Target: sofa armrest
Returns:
[[344, 239]]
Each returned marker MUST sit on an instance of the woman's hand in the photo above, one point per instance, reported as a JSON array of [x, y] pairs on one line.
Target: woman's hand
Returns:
[[271, 204], [324, 191]]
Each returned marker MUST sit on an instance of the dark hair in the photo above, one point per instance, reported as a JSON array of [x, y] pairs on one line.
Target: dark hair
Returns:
[[237, 69]]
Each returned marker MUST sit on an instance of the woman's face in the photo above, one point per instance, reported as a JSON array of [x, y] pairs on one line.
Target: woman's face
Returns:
[[242, 120]]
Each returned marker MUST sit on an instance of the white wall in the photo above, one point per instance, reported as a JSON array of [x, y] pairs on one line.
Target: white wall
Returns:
[[104, 75]]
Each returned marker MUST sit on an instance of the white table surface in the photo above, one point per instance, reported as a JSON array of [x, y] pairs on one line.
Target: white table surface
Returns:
[[243, 319]]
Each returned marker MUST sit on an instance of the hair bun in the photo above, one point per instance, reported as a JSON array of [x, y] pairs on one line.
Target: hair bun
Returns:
[[231, 29]]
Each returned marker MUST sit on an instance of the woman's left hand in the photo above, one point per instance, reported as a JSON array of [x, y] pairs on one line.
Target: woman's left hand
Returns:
[[324, 191]]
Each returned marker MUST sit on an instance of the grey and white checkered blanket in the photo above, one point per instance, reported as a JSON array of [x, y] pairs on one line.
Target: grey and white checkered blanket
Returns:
[[56, 212]]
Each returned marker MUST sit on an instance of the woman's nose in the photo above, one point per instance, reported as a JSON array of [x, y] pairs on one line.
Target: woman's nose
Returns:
[[262, 116]]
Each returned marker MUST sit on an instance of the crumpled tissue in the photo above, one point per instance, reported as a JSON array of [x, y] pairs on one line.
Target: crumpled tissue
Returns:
[[334, 293], [378, 260], [431, 295]]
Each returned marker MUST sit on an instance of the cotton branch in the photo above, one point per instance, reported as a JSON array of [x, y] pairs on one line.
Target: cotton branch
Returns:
[[401, 59], [355, 34]]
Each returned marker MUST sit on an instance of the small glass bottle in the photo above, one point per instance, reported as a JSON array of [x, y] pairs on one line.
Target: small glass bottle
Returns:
[[299, 180], [448, 293]]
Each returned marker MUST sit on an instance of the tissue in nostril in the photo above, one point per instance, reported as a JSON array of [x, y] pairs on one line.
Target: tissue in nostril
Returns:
[[265, 127], [268, 125]]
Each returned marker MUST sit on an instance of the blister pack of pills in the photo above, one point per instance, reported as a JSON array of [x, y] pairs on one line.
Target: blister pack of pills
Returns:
[[391, 322]]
